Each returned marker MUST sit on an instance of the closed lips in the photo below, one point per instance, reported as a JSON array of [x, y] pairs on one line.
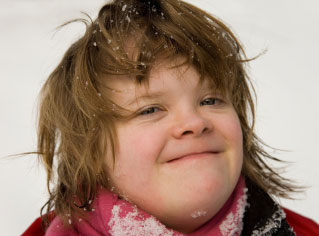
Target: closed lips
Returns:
[[193, 155]]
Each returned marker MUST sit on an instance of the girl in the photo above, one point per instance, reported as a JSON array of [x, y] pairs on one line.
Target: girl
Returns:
[[146, 127]]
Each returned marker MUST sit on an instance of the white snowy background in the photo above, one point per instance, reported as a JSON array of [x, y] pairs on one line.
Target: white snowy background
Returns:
[[286, 81]]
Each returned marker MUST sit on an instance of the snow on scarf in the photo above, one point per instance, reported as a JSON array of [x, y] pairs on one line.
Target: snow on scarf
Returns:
[[117, 217]]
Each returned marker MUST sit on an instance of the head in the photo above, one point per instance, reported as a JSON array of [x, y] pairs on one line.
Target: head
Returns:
[[181, 150], [153, 102]]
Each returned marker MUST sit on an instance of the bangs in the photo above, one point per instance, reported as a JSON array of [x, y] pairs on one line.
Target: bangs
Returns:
[[128, 38]]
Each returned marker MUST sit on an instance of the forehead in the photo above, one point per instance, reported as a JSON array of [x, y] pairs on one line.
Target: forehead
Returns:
[[162, 76]]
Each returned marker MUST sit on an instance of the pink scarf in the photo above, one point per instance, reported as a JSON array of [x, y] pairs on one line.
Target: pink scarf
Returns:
[[116, 217]]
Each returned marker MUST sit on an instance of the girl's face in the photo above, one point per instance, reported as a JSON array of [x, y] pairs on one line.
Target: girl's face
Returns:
[[180, 158]]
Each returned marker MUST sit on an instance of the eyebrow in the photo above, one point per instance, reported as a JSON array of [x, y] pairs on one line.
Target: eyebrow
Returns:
[[147, 96]]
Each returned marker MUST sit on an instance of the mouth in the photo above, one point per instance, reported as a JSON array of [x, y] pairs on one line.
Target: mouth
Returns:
[[192, 156]]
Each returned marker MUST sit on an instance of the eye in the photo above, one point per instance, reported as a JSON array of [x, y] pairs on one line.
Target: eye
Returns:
[[149, 111], [210, 101]]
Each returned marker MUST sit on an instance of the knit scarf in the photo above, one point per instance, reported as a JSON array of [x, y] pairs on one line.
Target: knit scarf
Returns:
[[112, 216], [130, 221]]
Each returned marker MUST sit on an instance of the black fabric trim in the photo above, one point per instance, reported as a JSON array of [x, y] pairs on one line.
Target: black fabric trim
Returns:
[[259, 213]]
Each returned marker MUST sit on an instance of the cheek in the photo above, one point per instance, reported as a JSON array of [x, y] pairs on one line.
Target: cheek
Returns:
[[231, 130], [141, 144], [136, 155]]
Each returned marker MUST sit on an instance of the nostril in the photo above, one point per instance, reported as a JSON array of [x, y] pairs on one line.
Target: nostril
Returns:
[[187, 132], [204, 130]]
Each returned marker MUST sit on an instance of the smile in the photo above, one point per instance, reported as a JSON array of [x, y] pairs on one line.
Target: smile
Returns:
[[193, 156]]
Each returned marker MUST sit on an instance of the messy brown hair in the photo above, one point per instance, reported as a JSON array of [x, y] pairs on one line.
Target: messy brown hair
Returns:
[[76, 113]]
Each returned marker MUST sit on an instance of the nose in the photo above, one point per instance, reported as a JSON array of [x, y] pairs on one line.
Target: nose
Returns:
[[191, 124]]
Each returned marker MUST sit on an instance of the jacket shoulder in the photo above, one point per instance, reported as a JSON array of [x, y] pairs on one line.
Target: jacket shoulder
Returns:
[[300, 224]]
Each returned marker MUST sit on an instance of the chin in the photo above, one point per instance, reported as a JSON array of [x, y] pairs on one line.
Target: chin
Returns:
[[206, 199], [186, 219], [189, 213]]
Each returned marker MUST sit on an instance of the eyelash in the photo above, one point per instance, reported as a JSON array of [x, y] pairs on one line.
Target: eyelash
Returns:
[[154, 109], [148, 110], [215, 100]]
